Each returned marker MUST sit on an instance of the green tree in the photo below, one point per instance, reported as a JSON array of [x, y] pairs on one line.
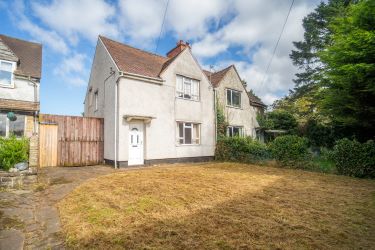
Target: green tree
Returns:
[[348, 87], [278, 119]]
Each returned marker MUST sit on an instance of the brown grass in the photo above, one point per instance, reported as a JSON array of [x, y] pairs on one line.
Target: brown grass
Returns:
[[220, 206]]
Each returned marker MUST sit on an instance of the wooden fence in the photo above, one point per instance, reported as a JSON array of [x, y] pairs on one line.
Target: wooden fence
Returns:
[[79, 142]]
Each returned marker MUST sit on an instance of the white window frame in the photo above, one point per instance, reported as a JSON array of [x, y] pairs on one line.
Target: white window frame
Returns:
[[241, 131], [11, 85], [231, 97], [195, 133], [182, 91]]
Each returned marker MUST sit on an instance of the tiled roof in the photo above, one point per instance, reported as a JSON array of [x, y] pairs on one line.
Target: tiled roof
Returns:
[[255, 101], [217, 76], [136, 61], [29, 55]]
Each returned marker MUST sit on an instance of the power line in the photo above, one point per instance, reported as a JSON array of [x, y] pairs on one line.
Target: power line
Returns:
[[277, 43], [162, 25]]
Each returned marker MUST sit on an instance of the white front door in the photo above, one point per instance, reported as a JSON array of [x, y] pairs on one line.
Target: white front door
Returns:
[[136, 144]]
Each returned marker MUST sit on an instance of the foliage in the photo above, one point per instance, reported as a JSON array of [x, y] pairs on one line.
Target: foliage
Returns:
[[12, 151], [318, 134], [278, 119], [290, 150], [348, 89], [241, 149], [354, 158], [222, 123]]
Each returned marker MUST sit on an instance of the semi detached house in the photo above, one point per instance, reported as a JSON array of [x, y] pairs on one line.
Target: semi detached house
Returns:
[[162, 109]]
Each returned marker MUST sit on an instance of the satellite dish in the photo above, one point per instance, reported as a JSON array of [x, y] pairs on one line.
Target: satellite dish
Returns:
[[11, 116]]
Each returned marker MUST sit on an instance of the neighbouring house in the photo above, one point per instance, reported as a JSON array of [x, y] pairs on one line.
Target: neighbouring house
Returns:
[[20, 74], [155, 108], [240, 107]]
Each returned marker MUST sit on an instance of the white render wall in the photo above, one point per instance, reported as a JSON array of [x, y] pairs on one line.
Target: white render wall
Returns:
[[100, 71], [244, 116], [23, 90], [160, 135]]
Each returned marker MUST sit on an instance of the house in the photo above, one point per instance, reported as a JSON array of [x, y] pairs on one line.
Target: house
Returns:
[[20, 74], [238, 105], [155, 108]]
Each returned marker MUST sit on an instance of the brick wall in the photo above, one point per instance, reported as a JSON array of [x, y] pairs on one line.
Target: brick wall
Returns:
[[34, 151]]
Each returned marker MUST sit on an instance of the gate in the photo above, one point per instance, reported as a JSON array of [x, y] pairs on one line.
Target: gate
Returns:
[[48, 145], [80, 140]]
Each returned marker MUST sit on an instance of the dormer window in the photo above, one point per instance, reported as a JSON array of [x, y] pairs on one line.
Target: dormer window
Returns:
[[6, 73]]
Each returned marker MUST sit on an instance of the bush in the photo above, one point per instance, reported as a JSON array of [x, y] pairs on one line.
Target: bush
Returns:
[[291, 150], [12, 151], [240, 149], [353, 158]]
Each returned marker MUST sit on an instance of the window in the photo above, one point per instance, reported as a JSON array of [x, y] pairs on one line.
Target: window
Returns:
[[233, 98], [187, 88], [8, 127], [6, 73], [96, 100], [234, 131], [188, 133]]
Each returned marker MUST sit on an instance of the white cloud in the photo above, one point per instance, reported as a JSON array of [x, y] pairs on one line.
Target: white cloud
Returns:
[[73, 18], [49, 38], [72, 69], [256, 28]]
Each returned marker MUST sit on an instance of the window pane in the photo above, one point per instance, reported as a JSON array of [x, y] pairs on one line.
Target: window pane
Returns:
[[236, 131], [229, 102], [17, 127], [181, 130], [6, 66], [3, 120], [230, 131], [196, 133], [187, 89], [236, 99], [188, 135], [5, 77], [179, 87]]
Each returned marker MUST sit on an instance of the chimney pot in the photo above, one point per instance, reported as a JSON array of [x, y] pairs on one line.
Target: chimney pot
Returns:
[[180, 46]]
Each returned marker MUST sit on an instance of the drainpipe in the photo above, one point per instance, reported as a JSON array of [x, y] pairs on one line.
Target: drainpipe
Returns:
[[35, 84], [117, 91], [215, 112]]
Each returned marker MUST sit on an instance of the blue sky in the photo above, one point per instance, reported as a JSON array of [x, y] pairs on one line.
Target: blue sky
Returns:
[[222, 32]]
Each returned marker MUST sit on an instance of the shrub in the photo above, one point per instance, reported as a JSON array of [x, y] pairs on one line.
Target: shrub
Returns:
[[240, 149], [354, 158], [12, 151], [290, 150]]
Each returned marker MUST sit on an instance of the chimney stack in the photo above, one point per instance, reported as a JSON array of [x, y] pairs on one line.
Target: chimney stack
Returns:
[[181, 45]]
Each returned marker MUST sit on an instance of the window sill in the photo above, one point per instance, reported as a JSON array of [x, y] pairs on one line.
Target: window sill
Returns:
[[179, 98], [11, 86], [184, 145], [234, 107]]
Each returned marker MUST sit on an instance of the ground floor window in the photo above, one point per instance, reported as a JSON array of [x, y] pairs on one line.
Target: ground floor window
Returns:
[[234, 131], [188, 133], [12, 127]]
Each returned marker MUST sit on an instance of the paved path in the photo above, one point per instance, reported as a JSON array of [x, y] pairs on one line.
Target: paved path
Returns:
[[29, 218]]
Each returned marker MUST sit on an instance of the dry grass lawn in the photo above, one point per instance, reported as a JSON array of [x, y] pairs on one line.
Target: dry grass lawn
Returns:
[[220, 206]]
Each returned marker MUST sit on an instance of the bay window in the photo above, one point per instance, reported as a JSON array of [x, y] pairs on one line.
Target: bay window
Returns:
[[187, 88], [188, 133], [6, 73], [233, 98]]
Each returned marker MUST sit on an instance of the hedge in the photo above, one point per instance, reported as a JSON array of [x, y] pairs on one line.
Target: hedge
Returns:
[[354, 158], [291, 150], [241, 149], [12, 151]]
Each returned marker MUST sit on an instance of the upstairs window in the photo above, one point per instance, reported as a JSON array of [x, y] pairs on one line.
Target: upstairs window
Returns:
[[188, 133], [233, 131], [187, 88], [233, 98], [6, 73]]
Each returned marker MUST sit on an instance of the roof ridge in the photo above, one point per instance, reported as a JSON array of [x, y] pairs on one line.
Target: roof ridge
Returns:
[[21, 40], [127, 45]]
